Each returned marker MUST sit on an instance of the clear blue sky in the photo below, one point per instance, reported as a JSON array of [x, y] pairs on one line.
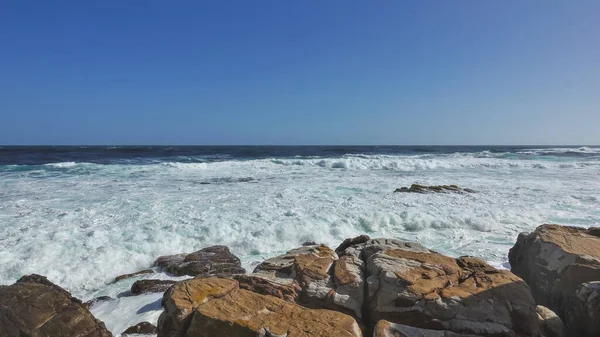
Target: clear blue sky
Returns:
[[300, 72]]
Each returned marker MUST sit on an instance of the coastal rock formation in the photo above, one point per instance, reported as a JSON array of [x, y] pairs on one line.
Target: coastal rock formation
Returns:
[[209, 261], [417, 188], [411, 285], [34, 306], [99, 299], [184, 297], [555, 260], [143, 328], [137, 273], [387, 329], [150, 286], [583, 311], [310, 271], [550, 324], [218, 307]]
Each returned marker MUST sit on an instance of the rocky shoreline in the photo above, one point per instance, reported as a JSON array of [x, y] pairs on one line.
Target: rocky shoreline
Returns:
[[364, 287]]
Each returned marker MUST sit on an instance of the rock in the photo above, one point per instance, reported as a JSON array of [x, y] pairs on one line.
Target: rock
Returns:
[[265, 286], [143, 328], [417, 188], [583, 311], [126, 276], [310, 270], [309, 243], [555, 260], [432, 291], [550, 324], [209, 261], [91, 302], [150, 286], [350, 242], [185, 296], [244, 313], [387, 329], [36, 307]]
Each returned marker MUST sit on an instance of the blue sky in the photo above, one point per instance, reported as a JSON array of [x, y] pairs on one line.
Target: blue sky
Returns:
[[300, 72]]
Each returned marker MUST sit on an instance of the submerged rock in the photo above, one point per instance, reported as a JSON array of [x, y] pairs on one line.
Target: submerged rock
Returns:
[[209, 261], [34, 306], [555, 260], [143, 328], [417, 188], [137, 273], [218, 307], [99, 299], [583, 311], [150, 286]]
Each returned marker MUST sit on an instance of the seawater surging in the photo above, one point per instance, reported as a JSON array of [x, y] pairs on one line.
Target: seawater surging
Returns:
[[84, 216]]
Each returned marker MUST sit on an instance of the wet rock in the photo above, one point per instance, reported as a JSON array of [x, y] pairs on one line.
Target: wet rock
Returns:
[[184, 297], [211, 307], [309, 243], [209, 261], [350, 242], [151, 286], [427, 290], [550, 324], [126, 276], [388, 329], [34, 306], [143, 328], [417, 188], [99, 299], [555, 260], [583, 311]]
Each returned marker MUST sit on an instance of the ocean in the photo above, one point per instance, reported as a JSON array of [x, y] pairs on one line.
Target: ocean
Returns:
[[85, 214]]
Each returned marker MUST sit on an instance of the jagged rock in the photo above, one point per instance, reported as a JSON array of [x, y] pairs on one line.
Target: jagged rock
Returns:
[[417, 188], [209, 261], [310, 269], [150, 286], [36, 307], [184, 297], [309, 243], [550, 324], [388, 329], [583, 311], [137, 273], [554, 260], [93, 301], [244, 313], [261, 285], [143, 328], [417, 287], [351, 242]]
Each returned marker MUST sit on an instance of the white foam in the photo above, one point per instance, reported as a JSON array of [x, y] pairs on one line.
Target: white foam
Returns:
[[82, 228], [121, 313]]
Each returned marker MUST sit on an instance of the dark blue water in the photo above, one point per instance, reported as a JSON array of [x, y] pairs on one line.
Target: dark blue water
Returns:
[[38, 155]]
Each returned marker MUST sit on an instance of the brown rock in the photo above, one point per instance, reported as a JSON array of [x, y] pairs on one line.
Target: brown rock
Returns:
[[244, 313], [185, 296], [555, 260], [427, 290], [550, 324], [265, 286], [151, 286], [143, 328], [36, 307], [209, 261], [137, 273], [388, 329], [583, 311]]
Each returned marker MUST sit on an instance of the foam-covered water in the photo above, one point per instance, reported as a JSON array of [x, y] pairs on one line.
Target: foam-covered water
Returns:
[[85, 219]]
